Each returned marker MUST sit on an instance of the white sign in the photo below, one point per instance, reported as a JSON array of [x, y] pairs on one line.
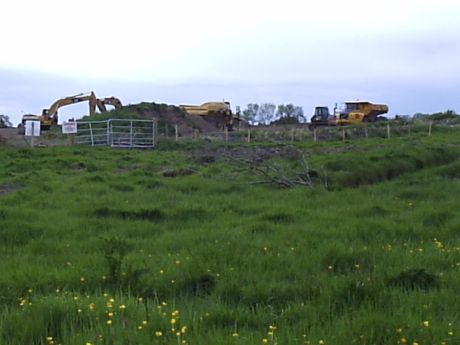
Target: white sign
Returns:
[[69, 127], [32, 128]]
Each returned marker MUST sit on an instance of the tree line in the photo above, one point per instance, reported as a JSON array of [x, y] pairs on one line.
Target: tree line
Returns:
[[267, 113]]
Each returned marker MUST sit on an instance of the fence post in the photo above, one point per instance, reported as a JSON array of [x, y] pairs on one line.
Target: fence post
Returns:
[[249, 134], [91, 134], [409, 129], [292, 135], [32, 138], [429, 128], [388, 131], [108, 139], [315, 136], [176, 132], [343, 134], [155, 131], [366, 133], [226, 134], [131, 133]]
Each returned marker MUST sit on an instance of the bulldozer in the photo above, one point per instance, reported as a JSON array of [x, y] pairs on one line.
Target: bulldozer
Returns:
[[49, 116], [219, 113], [353, 112]]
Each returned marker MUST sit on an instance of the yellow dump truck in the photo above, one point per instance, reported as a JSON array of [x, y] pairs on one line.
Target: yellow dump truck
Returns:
[[218, 113], [352, 112], [359, 111]]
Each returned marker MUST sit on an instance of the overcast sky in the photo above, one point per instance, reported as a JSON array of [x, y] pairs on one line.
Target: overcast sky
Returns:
[[403, 53]]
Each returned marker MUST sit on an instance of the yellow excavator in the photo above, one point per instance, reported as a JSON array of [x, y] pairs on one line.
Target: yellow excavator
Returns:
[[101, 103], [49, 117], [219, 113]]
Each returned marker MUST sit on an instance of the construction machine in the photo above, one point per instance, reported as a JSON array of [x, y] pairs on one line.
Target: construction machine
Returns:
[[220, 113], [349, 113], [322, 117], [49, 117], [101, 103]]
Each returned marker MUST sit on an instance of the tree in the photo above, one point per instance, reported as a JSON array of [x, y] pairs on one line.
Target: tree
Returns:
[[298, 113], [285, 110], [266, 113], [290, 113], [5, 121], [250, 113]]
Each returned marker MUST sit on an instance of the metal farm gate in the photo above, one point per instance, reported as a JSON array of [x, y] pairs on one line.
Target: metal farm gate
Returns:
[[117, 133]]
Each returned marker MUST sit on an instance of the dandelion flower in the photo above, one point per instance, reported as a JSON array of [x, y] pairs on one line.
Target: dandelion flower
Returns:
[[426, 323], [158, 333]]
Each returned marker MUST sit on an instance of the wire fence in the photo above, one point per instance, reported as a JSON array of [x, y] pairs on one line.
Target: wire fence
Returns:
[[302, 132]]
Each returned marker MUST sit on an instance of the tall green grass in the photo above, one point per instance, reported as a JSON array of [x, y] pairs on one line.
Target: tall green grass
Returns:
[[102, 246]]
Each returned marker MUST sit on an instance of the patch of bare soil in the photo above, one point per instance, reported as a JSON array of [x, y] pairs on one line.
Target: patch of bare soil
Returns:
[[8, 189], [178, 172], [10, 136]]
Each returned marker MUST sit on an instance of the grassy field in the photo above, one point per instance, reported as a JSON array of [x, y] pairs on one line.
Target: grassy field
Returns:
[[191, 244]]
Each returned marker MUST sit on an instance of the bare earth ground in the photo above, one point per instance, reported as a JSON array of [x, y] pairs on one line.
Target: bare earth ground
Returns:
[[7, 189], [10, 136]]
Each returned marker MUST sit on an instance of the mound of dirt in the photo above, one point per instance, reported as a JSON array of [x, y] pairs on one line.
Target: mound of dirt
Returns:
[[172, 115]]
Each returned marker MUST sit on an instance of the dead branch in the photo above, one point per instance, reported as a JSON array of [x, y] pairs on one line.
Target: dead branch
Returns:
[[271, 172]]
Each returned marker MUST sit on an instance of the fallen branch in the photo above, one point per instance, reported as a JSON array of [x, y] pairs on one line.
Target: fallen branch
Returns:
[[272, 173]]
